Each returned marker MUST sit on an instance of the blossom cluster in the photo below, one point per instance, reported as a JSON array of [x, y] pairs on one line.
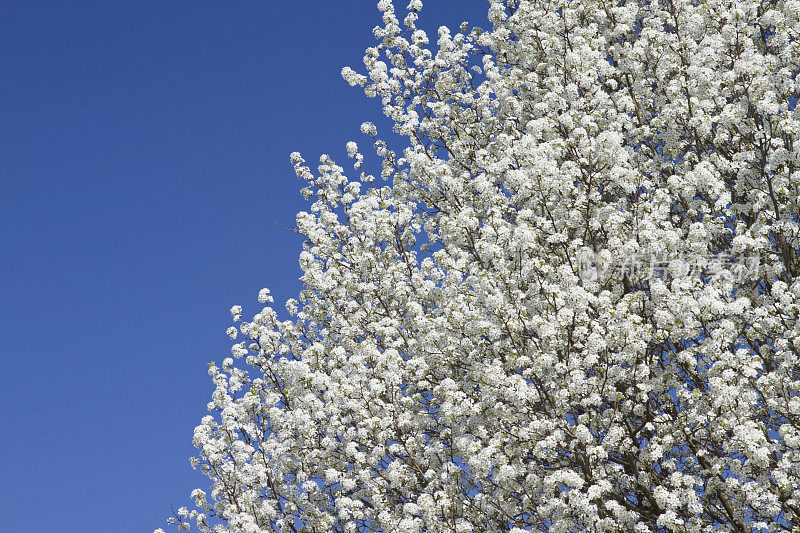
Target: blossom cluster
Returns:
[[447, 368]]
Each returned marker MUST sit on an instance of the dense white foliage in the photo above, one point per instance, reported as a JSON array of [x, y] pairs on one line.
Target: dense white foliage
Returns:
[[456, 364]]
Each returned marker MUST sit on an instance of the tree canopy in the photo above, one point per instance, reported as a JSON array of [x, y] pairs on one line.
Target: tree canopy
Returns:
[[569, 302]]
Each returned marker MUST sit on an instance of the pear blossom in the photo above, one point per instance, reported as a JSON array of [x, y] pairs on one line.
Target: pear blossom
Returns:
[[568, 300]]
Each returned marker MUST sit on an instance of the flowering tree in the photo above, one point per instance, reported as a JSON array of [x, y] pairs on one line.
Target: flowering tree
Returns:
[[570, 303]]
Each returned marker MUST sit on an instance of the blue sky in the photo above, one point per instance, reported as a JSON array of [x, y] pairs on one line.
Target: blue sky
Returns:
[[143, 167]]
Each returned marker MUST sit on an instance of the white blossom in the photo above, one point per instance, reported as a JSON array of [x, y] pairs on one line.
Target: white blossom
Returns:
[[450, 365]]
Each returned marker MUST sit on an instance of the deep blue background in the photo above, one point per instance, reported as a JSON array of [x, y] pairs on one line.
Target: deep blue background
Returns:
[[143, 164]]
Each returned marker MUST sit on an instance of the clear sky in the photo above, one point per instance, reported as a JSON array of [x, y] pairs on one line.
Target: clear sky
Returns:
[[143, 166]]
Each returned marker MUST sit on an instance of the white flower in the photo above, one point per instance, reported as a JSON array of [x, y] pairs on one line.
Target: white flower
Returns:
[[353, 78], [368, 128], [264, 296], [451, 360]]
